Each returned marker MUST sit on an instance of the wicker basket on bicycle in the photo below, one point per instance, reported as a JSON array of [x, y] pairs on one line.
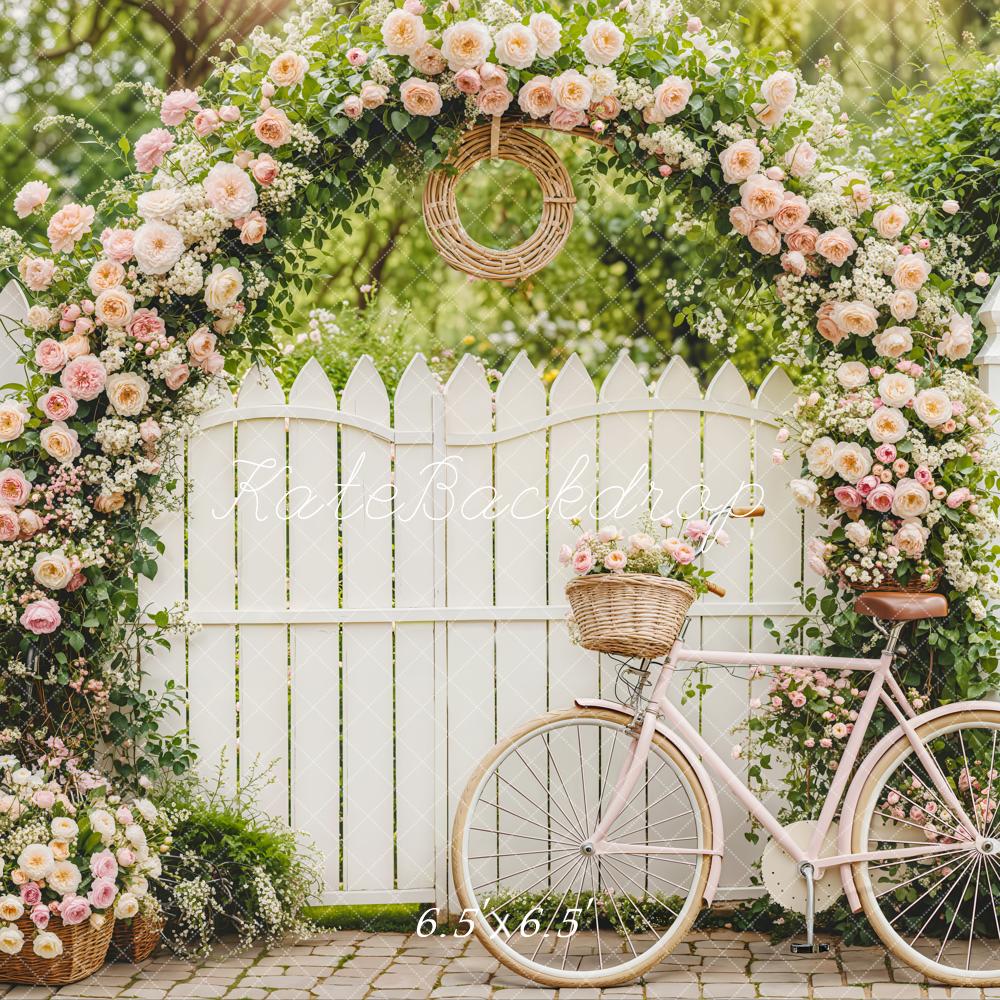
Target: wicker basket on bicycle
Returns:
[[637, 614], [891, 585]]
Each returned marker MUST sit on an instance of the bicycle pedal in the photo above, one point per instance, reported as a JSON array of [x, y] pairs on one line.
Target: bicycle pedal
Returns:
[[800, 948]]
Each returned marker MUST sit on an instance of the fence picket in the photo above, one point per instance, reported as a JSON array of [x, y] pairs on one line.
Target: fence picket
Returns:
[[314, 557], [368, 674], [13, 310], [414, 577], [212, 586]]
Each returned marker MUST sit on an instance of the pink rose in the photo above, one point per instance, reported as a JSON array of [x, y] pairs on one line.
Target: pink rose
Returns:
[[84, 377], [44, 799], [41, 617], [583, 561], [31, 895], [50, 356], [201, 343], [206, 122], [146, 326], [836, 245], [492, 75], [792, 215], [607, 108], [794, 263], [229, 113], [566, 120], [494, 101], [696, 529], [177, 376], [150, 431], [176, 105], [76, 581], [373, 95], [802, 240], [213, 364], [74, 910], [264, 169], [36, 272], [764, 239], [69, 225], [922, 475], [125, 857], [353, 107], [867, 484], [252, 228], [683, 553], [40, 916], [848, 497], [151, 148], [30, 523], [957, 497], [30, 198], [880, 499], [886, 453], [467, 81], [103, 864], [273, 128], [10, 524], [357, 57], [420, 97], [118, 244], [800, 159], [827, 326], [14, 488]]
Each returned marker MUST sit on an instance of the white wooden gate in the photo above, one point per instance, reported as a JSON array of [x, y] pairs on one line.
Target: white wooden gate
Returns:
[[372, 628]]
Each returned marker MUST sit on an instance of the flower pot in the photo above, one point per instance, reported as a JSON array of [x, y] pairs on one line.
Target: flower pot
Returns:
[[136, 939], [84, 951], [635, 614]]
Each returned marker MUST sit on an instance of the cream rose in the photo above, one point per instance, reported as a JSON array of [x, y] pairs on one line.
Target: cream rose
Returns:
[[13, 417], [603, 43], [911, 537], [157, 246], [910, 499], [222, 287], [887, 425], [420, 97], [572, 91], [11, 908], [804, 492], [65, 878], [670, 98], [288, 69], [60, 442], [896, 389], [127, 393], [852, 374], [126, 906], [466, 44], [535, 98], [36, 862], [403, 33], [230, 191], [11, 939], [105, 274], [114, 307], [890, 221], [548, 31], [740, 160], [910, 272], [851, 462], [932, 406], [903, 304], [893, 342], [858, 533], [779, 90], [761, 197], [47, 945], [516, 46], [957, 341], [160, 203], [855, 317], [53, 570], [819, 457]]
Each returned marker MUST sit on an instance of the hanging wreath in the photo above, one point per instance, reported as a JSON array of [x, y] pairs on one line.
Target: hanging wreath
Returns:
[[142, 297]]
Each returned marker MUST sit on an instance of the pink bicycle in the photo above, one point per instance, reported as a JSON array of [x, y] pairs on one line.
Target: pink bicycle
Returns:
[[603, 821]]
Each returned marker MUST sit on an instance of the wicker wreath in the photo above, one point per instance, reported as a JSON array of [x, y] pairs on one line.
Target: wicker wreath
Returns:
[[506, 141]]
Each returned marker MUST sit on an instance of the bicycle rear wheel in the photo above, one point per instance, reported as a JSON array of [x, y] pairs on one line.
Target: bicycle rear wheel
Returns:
[[939, 913], [539, 902]]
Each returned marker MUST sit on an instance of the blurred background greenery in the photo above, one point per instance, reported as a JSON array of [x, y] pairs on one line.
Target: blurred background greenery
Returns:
[[918, 81]]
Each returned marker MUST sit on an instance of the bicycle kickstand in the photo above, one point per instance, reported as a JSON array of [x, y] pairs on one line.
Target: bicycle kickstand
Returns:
[[809, 946]]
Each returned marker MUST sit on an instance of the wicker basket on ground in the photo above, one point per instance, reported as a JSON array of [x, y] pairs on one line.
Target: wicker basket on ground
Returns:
[[637, 614], [136, 939], [84, 951]]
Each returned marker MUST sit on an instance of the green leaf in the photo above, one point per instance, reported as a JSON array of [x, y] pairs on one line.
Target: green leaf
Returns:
[[399, 119]]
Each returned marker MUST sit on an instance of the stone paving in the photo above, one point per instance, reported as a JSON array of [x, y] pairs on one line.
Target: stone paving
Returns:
[[351, 965]]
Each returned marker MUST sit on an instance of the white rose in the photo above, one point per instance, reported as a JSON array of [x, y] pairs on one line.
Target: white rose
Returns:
[[157, 247], [910, 499], [146, 809], [896, 389], [804, 492], [135, 835], [516, 46], [852, 374], [11, 907], [932, 406], [779, 90], [103, 824], [893, 342], [819, 456], [851, 461], [126, 906], [222, 287], [40, 318], [903, 304], [548, 31], [911, 537], [65, 878], [158, 203], [138, 886], [52, 570], [603, 43], [127, 393], [403, 33], [47, 945], [64, 828], [887, 425], [11, 939], [957, 342], [603, 81], [466, 44], [858, 533], [230, 191]]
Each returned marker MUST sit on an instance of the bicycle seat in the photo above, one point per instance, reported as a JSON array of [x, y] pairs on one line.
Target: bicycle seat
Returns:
[[897, 606]]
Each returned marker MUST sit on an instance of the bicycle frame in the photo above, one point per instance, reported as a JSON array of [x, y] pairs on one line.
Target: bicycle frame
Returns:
[[884, 688]]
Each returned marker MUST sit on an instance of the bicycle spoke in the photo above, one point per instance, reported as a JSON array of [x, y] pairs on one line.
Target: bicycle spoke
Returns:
[[621, 920], [652, 805], [524, 819], [635, 906], [561, 866], [972, 922], [625, 874], [987, 819], [916, 878], [562, 784], [562, 826], [555, 912], [972, 870], [522, 871], [627, 859], [576, 906], [967, 865], [956, 827], [972, 786], [597, 914], [521, 836], [640, 790], [548, 793], [583, 784]]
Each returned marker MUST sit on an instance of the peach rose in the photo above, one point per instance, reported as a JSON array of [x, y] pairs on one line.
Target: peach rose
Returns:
[[109, 503], [903, 304], [516, 45], [30, 198], [288, 69], [572, 90], [957, 341], [10, 524], [836, 245], [60, 442], [177, 376], [467, 81], [793, 213], [779, 90], [30, 523], [252, 228], [910, 499], [741, 220], [803, 240], [206, 122], [607, 108], [13, 417], [114, 307], [890, 221], [740, 160], [264, 169], [69, 225], [764, 239], [794, 263], [76, 345], [273, 127], [910, 272], [201, 343], [893, 342], [603, 42], [372, 96], [15, 490], [800, 159], [222, 287], [128, 393], [466, 44], [428, 60], [403, 33], [761, 197], [118, 244], [494, 101], [420, 97], [827, 326], [566, 120], [887, 425], [36, 272], [536, 98], [859, 318], [670, 98], [105, 274], [932, 406]]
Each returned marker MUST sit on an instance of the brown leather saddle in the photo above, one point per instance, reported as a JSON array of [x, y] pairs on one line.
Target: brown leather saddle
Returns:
[[897, 606]]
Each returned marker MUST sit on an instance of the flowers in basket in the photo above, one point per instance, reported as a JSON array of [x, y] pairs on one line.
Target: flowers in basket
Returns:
[[651, 549], [69, 849]]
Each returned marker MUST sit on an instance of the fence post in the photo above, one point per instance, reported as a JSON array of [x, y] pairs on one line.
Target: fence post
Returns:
[[13, 310], [988, 359]]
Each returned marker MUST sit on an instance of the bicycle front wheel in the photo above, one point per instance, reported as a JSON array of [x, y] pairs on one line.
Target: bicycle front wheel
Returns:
[[540, 902], [937, 911]]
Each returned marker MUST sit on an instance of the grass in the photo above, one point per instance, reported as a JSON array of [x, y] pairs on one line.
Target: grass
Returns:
[[389, 918]]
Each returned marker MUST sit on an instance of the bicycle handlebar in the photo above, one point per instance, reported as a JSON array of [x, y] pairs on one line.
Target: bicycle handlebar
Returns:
[[714, 588], [757, 511]]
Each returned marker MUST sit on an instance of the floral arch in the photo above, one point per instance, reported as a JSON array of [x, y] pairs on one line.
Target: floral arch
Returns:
[[144, 298]]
